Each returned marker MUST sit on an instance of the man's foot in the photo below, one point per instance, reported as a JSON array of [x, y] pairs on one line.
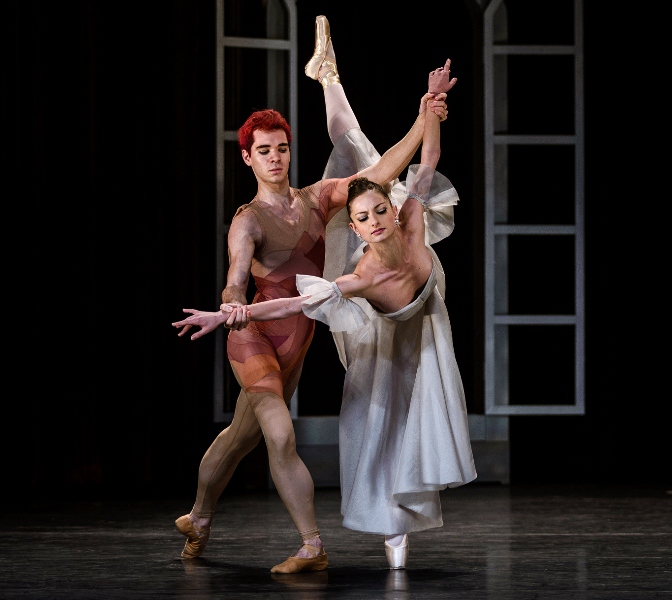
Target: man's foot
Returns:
[[197, 537], [310, 557]]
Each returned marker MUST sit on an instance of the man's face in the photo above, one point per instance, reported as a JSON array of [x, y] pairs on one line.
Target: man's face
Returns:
[[269, 156]]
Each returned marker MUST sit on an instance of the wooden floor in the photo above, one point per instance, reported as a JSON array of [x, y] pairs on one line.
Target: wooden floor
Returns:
[[497, 542]]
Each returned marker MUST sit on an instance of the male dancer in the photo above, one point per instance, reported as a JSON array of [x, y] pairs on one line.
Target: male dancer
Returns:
[[279, 234]]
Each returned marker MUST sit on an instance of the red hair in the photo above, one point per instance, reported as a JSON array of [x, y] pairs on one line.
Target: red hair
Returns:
[[267, 120]]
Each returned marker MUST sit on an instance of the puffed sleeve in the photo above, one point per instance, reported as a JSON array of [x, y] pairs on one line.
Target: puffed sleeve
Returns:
[[326, 304], [436, 194]]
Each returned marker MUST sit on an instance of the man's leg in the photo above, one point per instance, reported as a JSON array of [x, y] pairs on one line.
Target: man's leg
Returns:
[[216, 469], [290, 475], [260, 409], [222, 457]]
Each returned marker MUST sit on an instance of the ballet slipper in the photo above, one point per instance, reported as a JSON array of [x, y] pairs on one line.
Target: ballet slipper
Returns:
[[196, 538], [397, 555], [322, 37], [294, 564]]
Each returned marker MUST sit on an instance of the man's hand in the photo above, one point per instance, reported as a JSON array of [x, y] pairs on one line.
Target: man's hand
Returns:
[[237, 315], [207, 321], [440, 81], [435, 103]]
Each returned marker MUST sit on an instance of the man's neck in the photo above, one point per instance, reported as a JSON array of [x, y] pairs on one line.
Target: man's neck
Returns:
[[275, 193]]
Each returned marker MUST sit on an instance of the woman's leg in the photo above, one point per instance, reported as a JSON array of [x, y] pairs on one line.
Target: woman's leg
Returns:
[[340, 117]]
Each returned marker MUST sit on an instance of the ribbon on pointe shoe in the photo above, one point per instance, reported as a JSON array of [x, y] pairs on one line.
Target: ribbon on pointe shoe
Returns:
[[332, 75]]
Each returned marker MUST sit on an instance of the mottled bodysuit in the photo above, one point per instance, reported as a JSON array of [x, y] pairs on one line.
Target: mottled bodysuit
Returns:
[[266, 356]]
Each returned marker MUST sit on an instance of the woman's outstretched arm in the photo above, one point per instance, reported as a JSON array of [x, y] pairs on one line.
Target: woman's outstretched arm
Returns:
[[208, 321], [270, 310], [281, 308]]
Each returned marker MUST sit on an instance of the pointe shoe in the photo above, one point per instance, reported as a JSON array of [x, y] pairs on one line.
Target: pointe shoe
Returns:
[[331, 75], [322, 37], [294, 564], [196, 538], [397, 555]]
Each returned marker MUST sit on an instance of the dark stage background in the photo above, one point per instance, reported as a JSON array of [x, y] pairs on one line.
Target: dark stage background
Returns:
[[109, 151]]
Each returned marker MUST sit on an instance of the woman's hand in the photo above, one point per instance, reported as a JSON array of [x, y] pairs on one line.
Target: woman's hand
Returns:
[[207, 321], [440, 81]]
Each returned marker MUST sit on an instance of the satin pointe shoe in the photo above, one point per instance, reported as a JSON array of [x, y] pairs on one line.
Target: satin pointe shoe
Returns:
[[196, 538], [331, 75], [322, 37], [397, 555], [294, 564]]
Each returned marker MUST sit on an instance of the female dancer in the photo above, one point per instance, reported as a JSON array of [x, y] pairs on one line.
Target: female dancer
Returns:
[[404, 432]]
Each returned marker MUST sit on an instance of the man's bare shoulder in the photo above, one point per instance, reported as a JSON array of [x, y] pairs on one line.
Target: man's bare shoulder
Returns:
[[310, 192], [245, 224]]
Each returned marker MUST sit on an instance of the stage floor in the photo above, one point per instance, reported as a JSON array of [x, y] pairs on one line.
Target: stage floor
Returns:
[[497, 542]]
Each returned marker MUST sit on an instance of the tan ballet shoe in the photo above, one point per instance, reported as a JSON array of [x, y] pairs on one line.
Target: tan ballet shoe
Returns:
[[294, 564], [322, 36], [397, 555], [196, 538]]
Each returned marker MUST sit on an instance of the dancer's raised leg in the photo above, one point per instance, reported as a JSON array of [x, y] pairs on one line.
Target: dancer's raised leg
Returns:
[[322, 67]]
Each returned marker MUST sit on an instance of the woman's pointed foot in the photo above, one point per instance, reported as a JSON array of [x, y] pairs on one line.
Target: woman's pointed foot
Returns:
[[397, 555], [197, 537], [322, 37], [328, 73]]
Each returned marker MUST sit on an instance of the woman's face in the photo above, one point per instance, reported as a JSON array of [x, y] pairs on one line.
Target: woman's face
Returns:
[[372, 216]]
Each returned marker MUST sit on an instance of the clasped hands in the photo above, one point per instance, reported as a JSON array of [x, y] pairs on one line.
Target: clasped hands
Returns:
[[232, 316], [438, 85]]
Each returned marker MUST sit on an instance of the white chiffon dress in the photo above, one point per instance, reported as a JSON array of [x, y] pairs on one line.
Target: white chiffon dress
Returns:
[[403, 426]]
